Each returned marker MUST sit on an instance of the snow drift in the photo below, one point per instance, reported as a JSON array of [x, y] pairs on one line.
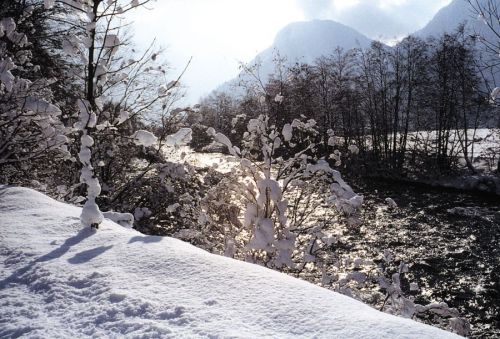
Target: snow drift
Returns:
[[61, 280]]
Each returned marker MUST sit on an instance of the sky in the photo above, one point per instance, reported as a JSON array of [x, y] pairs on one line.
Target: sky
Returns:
[[219, 34]]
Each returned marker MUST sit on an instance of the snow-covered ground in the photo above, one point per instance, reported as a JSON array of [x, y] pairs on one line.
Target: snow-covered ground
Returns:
[[60, 280], [223, 163], [484, 150]]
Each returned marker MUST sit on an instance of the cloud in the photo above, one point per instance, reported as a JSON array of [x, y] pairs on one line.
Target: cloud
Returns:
[[316, 9], [375, 21], [375, 18]]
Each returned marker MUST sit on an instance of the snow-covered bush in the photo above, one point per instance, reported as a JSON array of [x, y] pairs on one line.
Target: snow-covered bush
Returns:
[[31, 124], [92, 114], [286, 212], [288, 195], [164, 200], [121, 87]]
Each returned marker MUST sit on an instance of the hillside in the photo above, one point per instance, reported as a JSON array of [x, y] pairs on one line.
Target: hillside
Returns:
[[448, 18], [458, 12], [58, 280], [305, 41]]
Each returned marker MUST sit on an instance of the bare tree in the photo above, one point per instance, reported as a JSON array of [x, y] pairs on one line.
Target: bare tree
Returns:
[[120, 88]]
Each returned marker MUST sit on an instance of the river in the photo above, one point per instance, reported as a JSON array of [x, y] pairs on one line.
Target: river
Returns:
[[450, 239]]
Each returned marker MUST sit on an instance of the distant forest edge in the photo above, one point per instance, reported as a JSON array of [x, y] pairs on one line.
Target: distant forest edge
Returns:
[[421, 108]]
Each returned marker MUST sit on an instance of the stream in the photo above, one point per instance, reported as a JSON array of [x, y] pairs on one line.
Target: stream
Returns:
[[450, 239]]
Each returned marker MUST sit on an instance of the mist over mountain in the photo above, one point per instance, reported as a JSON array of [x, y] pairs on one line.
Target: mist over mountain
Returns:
[[450, 17], [459, 12], [306, 41]]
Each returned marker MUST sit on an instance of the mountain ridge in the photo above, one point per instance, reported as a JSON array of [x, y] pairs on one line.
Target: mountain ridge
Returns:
[[302, 41], [305, 41], [448, 18]]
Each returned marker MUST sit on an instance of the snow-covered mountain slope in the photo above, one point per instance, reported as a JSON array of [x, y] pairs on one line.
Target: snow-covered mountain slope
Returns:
[[304, 41], [58, 280], [448, 18], [458, 12], [308, 40]]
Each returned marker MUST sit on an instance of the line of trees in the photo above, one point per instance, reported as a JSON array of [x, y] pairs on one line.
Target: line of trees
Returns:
[[413, 106]]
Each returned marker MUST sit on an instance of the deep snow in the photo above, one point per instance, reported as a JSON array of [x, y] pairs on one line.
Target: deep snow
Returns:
[[58, 279]]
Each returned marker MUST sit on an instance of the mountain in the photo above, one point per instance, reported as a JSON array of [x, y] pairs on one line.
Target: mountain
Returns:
[[60, 280], [448, 18], [458, 12], [305, 41]]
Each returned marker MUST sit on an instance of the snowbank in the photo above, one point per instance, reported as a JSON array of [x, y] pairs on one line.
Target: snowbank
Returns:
[[60, 280]]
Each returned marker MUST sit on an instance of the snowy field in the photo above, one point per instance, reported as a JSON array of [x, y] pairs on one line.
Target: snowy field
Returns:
[[59, 280], [484, 150], [221, 162]]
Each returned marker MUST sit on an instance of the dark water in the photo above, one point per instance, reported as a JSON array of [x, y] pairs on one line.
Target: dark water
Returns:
[[449, 238]]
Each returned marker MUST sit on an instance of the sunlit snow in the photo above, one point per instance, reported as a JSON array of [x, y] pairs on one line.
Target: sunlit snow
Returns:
[[60, 280]]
